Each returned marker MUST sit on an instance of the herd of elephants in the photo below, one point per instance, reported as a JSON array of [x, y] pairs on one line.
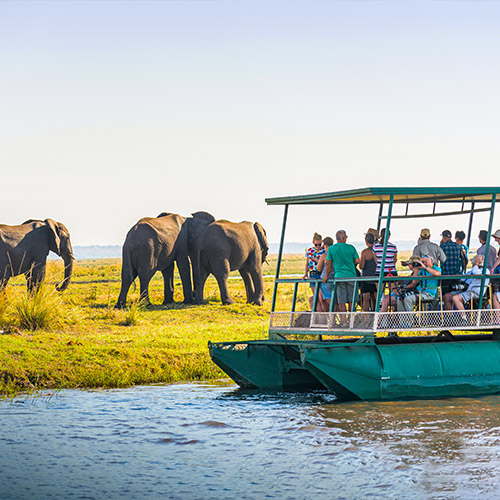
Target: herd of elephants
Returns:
[[199, 245]]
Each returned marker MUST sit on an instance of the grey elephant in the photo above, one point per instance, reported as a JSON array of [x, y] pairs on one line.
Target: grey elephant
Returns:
[[24, 250], [154, 244], [227, 246]]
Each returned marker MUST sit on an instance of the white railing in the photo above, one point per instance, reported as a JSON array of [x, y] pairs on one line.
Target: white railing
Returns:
[[366, 322]]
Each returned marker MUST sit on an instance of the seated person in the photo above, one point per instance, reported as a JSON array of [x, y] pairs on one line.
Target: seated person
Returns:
[[414, 263], [460, 298], [427, 289]]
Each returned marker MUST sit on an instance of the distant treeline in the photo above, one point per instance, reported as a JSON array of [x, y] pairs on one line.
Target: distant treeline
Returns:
[[115, 251]]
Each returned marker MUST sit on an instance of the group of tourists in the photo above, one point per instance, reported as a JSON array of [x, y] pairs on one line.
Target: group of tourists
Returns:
[[326, 260]]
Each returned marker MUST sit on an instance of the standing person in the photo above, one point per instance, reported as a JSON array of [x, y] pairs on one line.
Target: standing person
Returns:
[[426, 247], [391, 256], [483, 236], [325, 294], [344, 258], [459, 239], [313, 255], [368, 266], [453, 264]]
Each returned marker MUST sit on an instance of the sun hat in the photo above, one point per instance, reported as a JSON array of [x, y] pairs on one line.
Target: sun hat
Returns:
[[496, 234], [373, 231], [414, 259]]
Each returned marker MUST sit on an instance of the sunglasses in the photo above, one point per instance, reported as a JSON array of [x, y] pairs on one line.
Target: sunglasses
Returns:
[[318, 244]]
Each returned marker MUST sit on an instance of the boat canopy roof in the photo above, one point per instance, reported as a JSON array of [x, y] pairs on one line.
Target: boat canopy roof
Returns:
[[379, 195]]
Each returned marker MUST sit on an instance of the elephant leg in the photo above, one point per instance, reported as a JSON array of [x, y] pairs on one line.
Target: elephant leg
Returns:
[[34, 277], [128, 277], [258, 282], [144, 280], [185, 273], [202, 273], [222, 275], [5, 277], [168, 284], [245, 274]]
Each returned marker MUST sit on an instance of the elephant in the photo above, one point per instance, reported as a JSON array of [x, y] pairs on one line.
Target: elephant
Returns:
[[154, 244], [225, 246], [24, 250]]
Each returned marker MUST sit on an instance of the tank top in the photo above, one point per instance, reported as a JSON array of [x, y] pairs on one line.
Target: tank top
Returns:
[[370, 267]]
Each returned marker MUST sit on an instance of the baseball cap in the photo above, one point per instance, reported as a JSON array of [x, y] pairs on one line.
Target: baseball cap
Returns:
[[446, 233], [425, 232]]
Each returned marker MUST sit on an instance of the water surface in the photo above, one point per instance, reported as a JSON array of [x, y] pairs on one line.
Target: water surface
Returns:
[[201, 441]]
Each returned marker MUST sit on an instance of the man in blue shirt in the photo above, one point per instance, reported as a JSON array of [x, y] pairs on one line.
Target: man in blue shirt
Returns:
[[427, 289]]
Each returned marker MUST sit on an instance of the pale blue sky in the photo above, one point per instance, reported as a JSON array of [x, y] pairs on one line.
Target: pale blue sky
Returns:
[[111, 111]]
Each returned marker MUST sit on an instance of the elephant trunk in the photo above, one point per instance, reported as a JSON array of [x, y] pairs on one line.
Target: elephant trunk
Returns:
[[68, 258]]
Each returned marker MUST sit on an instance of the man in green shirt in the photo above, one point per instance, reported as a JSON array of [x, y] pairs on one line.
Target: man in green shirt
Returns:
[[344, 258]]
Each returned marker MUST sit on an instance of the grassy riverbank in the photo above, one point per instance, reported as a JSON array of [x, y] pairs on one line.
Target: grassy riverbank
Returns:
[[82, 341]]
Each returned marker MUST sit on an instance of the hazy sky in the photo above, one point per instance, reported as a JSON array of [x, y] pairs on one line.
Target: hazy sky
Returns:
[[111, 111]]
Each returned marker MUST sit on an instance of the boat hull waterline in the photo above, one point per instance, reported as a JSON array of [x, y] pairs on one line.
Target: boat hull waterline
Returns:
[[365, 371]]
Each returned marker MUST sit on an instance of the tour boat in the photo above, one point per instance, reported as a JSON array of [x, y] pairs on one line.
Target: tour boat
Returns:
[[427, 353]]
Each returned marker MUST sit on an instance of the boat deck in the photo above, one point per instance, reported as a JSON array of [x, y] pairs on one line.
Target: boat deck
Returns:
[[362, 323]]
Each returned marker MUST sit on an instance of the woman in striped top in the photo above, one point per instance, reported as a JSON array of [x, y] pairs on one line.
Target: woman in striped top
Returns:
[[391, 256]]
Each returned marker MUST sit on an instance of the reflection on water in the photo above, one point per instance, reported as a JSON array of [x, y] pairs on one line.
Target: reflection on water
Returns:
[[214, 441]]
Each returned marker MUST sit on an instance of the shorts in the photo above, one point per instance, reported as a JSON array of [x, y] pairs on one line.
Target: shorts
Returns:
[[314, 275], [466, 296], [345, 292], [326, 290], [367, 287]]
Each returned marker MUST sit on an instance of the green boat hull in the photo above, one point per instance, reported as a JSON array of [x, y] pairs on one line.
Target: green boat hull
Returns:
[[382, 371]]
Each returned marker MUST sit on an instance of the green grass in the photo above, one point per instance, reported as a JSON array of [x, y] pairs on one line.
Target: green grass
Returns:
[[76, 339]]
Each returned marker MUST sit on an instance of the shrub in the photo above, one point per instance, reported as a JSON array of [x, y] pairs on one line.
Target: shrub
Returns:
[[40, 310], [133, 312]]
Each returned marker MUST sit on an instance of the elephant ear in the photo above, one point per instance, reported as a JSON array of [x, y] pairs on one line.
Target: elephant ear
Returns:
[[204, 215], [55, 241], [262, 237]]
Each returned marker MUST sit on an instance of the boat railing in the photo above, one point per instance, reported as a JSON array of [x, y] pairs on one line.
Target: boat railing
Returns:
[[431, 317]]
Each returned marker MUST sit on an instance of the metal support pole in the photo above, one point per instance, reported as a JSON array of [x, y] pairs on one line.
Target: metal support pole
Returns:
[[487, 252], [470, 223], [379, 220], [382, 265], [280, 255], [294, 300]]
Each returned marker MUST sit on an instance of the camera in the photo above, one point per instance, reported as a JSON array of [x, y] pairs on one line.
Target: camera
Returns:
[[417, 264], [459, 287]]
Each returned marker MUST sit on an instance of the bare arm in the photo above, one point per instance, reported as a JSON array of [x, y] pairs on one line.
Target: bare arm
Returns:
[[328, 270], [306, 269], [321, 263], [362, 260], [432, 271]]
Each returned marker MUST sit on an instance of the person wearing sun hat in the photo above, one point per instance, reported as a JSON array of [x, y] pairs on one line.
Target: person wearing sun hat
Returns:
[[426, 247]]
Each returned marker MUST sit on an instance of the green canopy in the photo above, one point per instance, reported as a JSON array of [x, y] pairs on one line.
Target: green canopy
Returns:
[[383, 195]]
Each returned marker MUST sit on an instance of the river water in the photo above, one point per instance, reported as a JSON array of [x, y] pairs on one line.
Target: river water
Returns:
[[204, 441]]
